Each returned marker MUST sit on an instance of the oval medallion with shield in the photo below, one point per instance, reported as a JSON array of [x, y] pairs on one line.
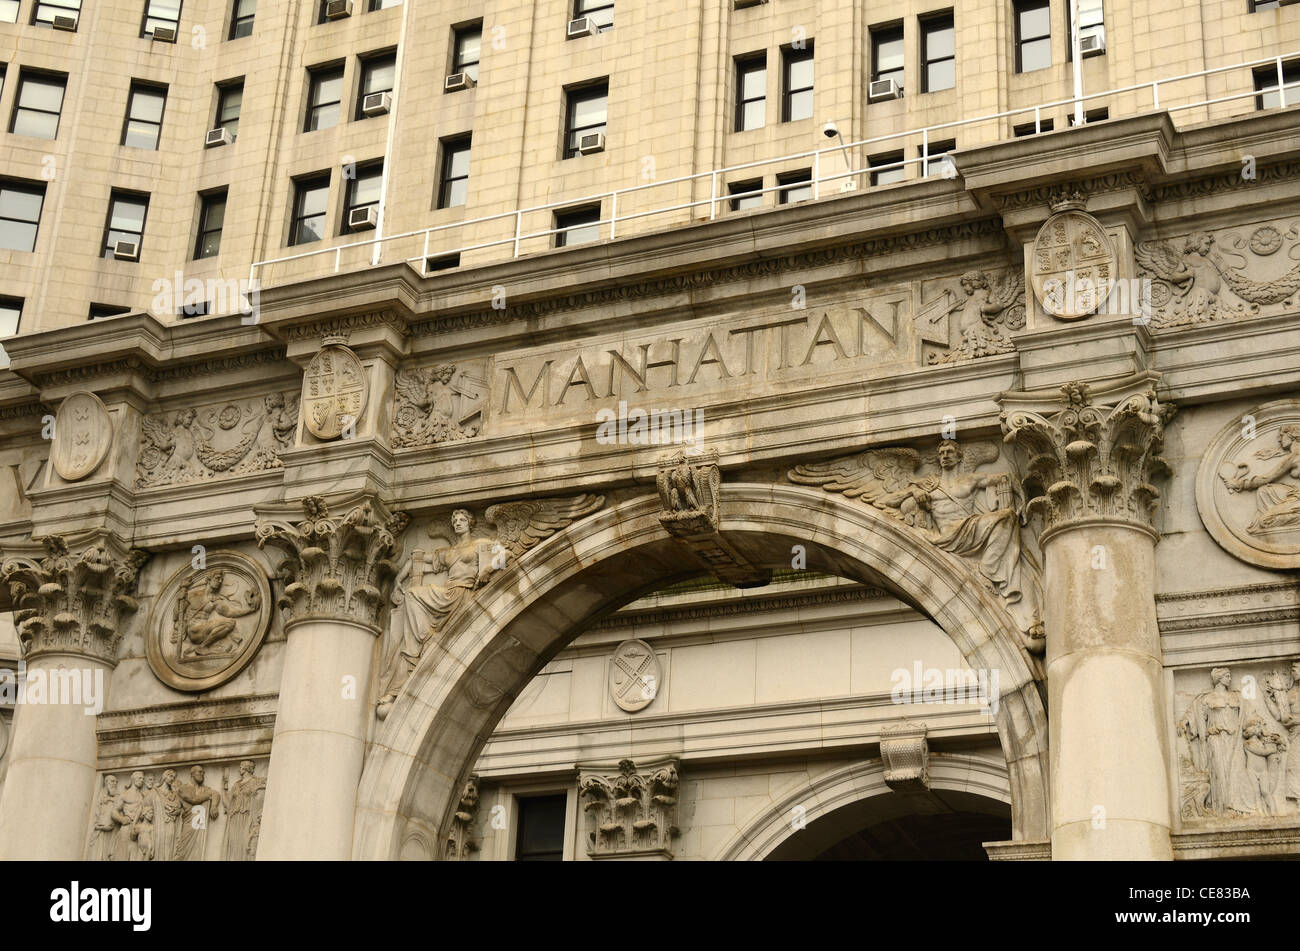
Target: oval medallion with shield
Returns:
[[334, 391], [83, 432], [635, 675], [1073, 267], [207, 623]]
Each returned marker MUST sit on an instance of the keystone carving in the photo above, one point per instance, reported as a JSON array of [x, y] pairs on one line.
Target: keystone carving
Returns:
[[337, 567], [992, 306], [461, 840], [1093, 456], [437, 404], [463, 567], [906, 755], [689, 490], [70, 602], [630, 812]]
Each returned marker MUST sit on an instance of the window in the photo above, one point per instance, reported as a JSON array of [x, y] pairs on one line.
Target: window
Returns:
[[746, 195], [796, 83], [586, 112], [323, 98], [751, 92], [1093, 115], [1266, 82], [364, 191], [795, 186], [577, 226], [164, 13], [383, 4], [310, 201], [126, 214], [467, 44], [1257, 5], [11, 312], [938, 53], [1028, 128], [453, 183], [376, 76], [37, 107], [887, 54], [539, 836], [20, 214], [444, 263], [144, 115], [212, 215], [8, 11], [102, 311], [193, 308], [1033, 35], [600, 12], [1091, 23], [938, 162], [230, 97], [887, 167], [241, 21], [46, 10]]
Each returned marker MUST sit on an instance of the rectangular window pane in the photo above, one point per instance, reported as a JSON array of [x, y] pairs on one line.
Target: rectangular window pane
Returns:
[[377, 76], [43, 94], [887, 168], [941, 75], [540, 834], [1035, 54], [128, 215], [8, 11], [889, 55], [468, 45], [21, 204], [939, 41], [10, 311], [796, 186], [746, 195], [752, 115]]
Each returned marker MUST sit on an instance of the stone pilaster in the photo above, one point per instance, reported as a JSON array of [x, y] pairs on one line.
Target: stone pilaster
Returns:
[[337, 575], [1088, 458], [72, 600]]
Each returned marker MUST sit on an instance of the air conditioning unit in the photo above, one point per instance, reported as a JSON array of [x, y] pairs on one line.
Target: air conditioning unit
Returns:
[[217, 137], [1092, 44], [582, 26], [164, 34], [65, 21], [363, 219], [882, 90], [376, 103], [126, 250], [591, 142], [458, 81], [338, 9]]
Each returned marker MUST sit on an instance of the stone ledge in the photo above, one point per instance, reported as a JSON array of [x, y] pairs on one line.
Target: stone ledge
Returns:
[[226, 728]]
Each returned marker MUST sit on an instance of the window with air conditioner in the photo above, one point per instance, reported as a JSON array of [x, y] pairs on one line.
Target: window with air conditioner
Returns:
[[599, 13], [46, 12], [162, 15], [241, 18], [212, 218], [38, 105], [124, 231], [886, 62], [1033, 35], [1092, 23], [466, 49], [144, 116], [230, 100], [376, 89], [11, 315], [310, 204], [453, 183], [797, 82], [330, 10], [938, 53], [586, 112], [577, 226], [751, 91], [20, 214], [324, 97], [361, 198]]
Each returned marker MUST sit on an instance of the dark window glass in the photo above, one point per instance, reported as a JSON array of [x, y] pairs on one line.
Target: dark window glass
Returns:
[[746, 195], [797, 83], [1028, 128], [586, 112], [46, 10], [11, 314], [445, 263], [577, 226], [1266, 82], [212, 216], [1033, 35], [795, 186], [383, 4], [539, 837], [467, 45], [377, 74], [144, 115], [230, 98], [38, 104], [101, 311], [453, 185], [323, 98], [938, 54], [362, 192], [601, 12], [887, 54], [1093, 115], [751, 92], [887, 168], [310, 202], [20, 215], [164, 13], [241, 20], [126, 215]]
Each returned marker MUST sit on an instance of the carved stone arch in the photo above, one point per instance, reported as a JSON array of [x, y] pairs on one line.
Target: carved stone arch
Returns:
[[420, 755], [763, 833]]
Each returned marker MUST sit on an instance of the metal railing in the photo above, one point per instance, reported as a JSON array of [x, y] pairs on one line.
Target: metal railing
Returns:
[[516, 236]]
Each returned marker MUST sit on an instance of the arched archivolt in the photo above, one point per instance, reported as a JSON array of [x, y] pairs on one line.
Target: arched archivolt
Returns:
[[421, 754], [764, 832]]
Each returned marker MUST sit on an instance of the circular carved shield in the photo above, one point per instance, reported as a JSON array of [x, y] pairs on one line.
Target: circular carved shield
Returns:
[[83, 433], [635, 676], [334, 391], [1074, 262], [1248, 486], [207, 623]]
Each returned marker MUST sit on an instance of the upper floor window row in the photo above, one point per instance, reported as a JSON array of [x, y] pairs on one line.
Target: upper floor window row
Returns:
[[325, 91], [938, 60], [328, 11], [56, 14], [162, 19], [38, 104]]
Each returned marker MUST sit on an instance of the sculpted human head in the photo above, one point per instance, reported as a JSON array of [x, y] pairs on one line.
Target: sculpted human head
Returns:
[[137, 779], [1221, 675], [169, 777], [949, 453], [196, 773], [461, 521], [216, 580], [246, 767], [110, 783], [973, 281], [1289, 436]]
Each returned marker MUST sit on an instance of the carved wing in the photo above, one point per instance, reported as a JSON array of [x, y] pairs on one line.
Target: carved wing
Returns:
[[521, 525], [661, 483], [869, 475], [1007, 294], [410, 386], [976, 454], [158, 444], [1162, 261]]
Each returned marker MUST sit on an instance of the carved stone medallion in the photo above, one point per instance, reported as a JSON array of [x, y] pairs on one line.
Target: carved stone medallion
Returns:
[[1074, 262], [83, 433], [635, 675], [207, 624], [1248, 486], [334, 391]]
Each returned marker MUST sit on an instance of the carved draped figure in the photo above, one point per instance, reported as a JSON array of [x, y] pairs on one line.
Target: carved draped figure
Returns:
[[199, 808], [103, 838], [243, 802], [1212, 725], [166, 816]]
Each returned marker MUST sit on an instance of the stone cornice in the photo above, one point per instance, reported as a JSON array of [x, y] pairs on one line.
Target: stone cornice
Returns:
[[752, 605]]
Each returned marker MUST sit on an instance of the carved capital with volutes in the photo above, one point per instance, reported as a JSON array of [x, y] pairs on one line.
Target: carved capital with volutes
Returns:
[[1089, 455], [72, 598], [339, 565], [631, 811]]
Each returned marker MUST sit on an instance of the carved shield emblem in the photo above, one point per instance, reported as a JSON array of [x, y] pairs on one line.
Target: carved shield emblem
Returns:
[[83, 433], [1073, 267], [207, 624], [635, 675], [334, 391]]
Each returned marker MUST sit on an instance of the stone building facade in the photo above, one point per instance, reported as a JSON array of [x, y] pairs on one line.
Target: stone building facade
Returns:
[[948, 508]]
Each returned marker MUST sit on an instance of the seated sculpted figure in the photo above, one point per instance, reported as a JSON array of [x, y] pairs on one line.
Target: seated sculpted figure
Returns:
[[1278, 502]]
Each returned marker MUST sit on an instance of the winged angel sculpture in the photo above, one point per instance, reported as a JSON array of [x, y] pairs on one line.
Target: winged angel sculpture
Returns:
[[463, 567], [977, 516], [993, 305]]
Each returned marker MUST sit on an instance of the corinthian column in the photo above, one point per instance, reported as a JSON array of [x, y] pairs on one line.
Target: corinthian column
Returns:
[[1088, 458], [70, 608], [337, 575]]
